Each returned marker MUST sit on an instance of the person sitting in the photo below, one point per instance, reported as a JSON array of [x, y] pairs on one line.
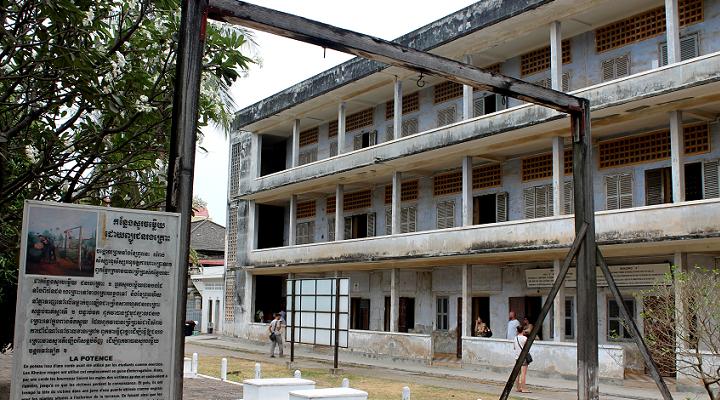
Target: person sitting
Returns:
[[481, 328]]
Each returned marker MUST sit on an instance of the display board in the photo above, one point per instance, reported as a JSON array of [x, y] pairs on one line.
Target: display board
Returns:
[[624, 275], [96, 304], [312, 316]]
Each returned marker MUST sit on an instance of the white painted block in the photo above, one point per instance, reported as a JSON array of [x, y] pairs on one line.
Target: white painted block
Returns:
[[274, 388], [342, 393], [187, 368]]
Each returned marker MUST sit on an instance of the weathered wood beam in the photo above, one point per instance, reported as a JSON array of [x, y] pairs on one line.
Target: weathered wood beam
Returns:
[[373, 48]]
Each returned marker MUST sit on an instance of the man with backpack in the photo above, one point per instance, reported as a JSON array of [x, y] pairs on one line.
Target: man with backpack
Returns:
[[277, 326]]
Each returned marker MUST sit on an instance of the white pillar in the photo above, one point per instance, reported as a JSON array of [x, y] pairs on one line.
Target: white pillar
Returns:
[[672, 21], [681, 265], [558, 173], [258, 371], [341, 128], [396, 202], [205, 315], [555, 55], [467, 95], [252, 225], [339, 217], [345, 383], [292, 229], [558, 307], [467, 191], [397, 108], [296, 143], [297, 374], [467, 322], [223, 369], [676, 156], [255, 152], [194, 364], [394, 301], [405, 393]]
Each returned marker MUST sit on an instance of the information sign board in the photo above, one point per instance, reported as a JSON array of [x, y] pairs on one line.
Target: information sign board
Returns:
[[624, 275]]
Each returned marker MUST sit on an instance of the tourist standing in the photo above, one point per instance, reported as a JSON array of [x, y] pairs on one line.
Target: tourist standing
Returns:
[[512, 326], [277, 326], [518, 345]]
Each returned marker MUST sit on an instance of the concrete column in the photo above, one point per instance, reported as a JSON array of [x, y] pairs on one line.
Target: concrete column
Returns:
[[339, 218], [252, 225], [296, 143], [558, 173], [205, 315], [249, 295], [397, 108], [396, 201], [558, 307], [255, 151], [681, 265], [394, 301], [676, 156], [292, 229], [467, 95], [467, 191], [341, 128], [468, 323], [556, 55], [672, 21]]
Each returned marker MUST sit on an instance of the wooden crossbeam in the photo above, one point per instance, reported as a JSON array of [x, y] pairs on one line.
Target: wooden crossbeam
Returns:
[[373, 48]]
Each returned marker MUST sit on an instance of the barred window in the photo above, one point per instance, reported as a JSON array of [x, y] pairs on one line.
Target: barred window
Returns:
[[308, 156], [635, 149], [357, 200], [446, 116], [333, 128], [486, 176], [447, 90], [235, 162], [539, 60], [232, 233], [306, 209], [230, 296], [305, 232], [696, 138], [309, 136], [408, 191], [409, 127], [359, 120], [447, 183], [410, 103]]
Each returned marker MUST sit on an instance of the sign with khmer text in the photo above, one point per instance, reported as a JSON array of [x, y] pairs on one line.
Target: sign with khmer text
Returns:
[[624, 275], [96, 303]]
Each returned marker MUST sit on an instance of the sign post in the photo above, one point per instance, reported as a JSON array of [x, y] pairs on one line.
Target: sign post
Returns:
[[96, 319]]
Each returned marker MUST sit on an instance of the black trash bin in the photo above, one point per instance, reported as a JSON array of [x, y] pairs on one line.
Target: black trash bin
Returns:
[[189, 328]]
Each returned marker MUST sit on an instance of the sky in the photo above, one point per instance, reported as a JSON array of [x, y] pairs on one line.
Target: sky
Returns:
[[285, 62]]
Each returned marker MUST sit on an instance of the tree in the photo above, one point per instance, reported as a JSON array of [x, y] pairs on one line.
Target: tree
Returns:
[[685, 313], [85, 105]]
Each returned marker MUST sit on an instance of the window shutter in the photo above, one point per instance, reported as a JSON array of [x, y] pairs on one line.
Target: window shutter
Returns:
[[371, 224], [663, 55], [357, 142], [689, 48], [310, 232], [446, 214], [389, 134], [612, 198], [654, 189], [331, 229], [710, 179], [388, 221], [348, 228], [568, 198], [333, 149], [479, 106], [412, 219], [501, 202], [565, 82], [541, 204], [410, 127], [608, 69], [529, 199], [549, 201], [625, 190], [446, 116], [373, 138], [622, 66]]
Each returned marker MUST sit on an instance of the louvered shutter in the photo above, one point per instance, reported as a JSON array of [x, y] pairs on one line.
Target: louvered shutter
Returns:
[[446, 116], [541, 201], [479, 106], [501, 206], [388, 221], [711, 187], [300, 233], [549, 201], [612, 198], [331, 229], [622, 66], [348, 228], [389, 135], [568, 198], [333, 149], [446, 214], [412, 219], [625, 191], [373, 138], [654, 189], [566, 82], [371, 224], [529, 199], [689, 48], [357, 142], [608, 69], [410, 127], [310, 232], [663, 54]]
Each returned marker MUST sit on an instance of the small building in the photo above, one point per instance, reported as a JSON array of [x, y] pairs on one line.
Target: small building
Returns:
[[207, 278], [444, 204]]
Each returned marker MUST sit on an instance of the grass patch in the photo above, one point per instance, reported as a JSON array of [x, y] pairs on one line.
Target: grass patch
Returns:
[[377, 388]]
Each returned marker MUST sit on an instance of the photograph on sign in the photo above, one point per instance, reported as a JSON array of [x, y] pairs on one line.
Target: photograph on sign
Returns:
[[96, 303], [312, 316]]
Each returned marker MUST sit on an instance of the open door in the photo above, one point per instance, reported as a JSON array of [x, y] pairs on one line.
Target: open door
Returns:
[[459, 327]]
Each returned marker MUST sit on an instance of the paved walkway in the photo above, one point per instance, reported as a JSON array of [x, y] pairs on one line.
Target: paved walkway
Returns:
[[481, 381]]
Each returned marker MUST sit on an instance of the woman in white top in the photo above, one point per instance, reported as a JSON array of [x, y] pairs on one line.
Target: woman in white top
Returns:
[[518, 344]]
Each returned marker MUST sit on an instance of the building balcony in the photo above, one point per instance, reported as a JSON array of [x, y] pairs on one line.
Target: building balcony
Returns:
[[669, 228], [684, 85]]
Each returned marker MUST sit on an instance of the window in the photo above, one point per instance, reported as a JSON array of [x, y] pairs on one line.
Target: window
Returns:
[[359, 313], [307, 157], [547, 82], [658, 186], [538, 201], [688, 49], [539, 60], [408, 191], [615, 326], [446, 214], [333, 149], [446, 116], [332, 128], [618, 191], [614, 68], [309, 136], [408, 219], [305, 209], [441, 312], [360, 226], [232, 236], [235, 162], [305, 232], [568, 197], [365, 139], [331, 229], [486, 104], [447, 183], [445, 91], [410, 103], [357, 200], [710, 179], [569, 317], [388, 221], [486, 176], [490, 208], [409, 127], [635, 149], [693, 181], [359, 120]]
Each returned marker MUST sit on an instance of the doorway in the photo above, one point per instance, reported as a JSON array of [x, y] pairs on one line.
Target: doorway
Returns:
[[360, 313], [458, 350], [527, 306], [481, 308], [386, 318], [406, 315], [271, 226]]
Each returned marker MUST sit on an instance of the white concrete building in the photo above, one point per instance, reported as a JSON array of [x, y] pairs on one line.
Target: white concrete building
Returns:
[[443, 204]]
